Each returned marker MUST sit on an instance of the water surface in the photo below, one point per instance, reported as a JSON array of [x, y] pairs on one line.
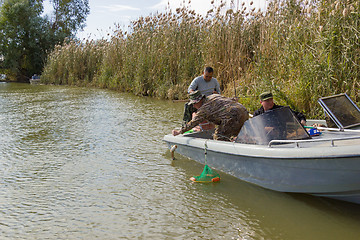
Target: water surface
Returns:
[[79, 163]]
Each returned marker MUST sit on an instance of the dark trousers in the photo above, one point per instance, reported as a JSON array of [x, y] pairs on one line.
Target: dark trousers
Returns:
[[188, 111]]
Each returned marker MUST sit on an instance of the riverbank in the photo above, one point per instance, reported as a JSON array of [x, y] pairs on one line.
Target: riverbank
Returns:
[[299, 50]]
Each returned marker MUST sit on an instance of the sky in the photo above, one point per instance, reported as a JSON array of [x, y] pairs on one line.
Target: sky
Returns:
[[104, 14]]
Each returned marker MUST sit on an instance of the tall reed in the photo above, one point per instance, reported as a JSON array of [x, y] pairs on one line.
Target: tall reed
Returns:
[[298, 49]]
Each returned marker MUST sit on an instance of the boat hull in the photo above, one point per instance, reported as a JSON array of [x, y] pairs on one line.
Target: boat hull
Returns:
[[320, 171]]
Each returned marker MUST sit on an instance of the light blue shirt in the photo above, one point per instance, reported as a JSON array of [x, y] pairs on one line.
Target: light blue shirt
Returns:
[[206, 88]]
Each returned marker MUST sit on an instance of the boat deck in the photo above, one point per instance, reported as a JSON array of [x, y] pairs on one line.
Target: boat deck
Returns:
[[326, 138]]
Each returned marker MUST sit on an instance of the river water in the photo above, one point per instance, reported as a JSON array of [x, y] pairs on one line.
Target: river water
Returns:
[[80, 163]]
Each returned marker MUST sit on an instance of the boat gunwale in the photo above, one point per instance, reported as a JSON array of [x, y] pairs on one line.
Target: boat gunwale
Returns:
[[263, 151], [272, 142]]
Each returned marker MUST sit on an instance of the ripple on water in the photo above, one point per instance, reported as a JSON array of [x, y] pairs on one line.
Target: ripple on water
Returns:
[[79, 163]]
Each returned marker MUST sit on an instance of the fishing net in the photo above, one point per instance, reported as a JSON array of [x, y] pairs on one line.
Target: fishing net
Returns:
[[208, 174]]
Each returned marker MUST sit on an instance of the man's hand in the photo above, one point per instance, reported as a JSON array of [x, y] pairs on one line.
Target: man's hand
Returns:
[[197, 129], [175, 132]]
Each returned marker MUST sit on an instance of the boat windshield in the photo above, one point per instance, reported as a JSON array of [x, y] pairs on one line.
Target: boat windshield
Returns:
[[277, 124], [343, 111]]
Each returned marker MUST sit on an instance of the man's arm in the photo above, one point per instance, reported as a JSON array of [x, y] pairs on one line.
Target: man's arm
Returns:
[[197, 119], [193, 85], [258, 111], [217, 87], [301, 117]]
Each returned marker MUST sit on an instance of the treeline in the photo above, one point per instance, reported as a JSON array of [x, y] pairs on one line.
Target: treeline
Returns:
[[300, 50], [27, 34]]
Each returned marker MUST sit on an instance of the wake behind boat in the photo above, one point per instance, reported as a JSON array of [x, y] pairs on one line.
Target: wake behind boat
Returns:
[[274, 151]]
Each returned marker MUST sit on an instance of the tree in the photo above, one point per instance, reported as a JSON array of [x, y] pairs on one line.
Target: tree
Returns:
[[26, 37], [69, 16]]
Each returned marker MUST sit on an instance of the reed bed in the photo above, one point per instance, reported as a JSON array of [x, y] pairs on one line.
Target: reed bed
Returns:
[[300, 50]]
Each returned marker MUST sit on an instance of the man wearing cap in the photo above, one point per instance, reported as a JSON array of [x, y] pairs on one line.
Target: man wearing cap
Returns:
[[267, 102], [207, 85], [227, 114]]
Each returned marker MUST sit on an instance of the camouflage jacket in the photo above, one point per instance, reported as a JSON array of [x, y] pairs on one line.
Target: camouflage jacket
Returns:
[[216, 109]]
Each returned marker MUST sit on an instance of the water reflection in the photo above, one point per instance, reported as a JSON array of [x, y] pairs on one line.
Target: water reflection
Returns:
[[88, 163], [263, 214]]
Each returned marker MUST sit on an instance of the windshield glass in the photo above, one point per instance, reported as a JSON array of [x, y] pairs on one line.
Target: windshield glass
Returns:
[[277, 124], [343, 111]]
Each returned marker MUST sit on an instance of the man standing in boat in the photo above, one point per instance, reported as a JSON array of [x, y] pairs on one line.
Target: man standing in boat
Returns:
[[228, 115], [207, 85], [267, 103]]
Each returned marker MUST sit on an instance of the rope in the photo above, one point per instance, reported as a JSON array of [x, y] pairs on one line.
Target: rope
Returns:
[[205, 152]]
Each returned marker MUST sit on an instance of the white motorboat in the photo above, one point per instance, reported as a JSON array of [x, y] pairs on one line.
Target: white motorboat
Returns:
[[35, 79], [275, 151]]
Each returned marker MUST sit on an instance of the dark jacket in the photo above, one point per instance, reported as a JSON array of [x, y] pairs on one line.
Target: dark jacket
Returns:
[[300, 116]]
